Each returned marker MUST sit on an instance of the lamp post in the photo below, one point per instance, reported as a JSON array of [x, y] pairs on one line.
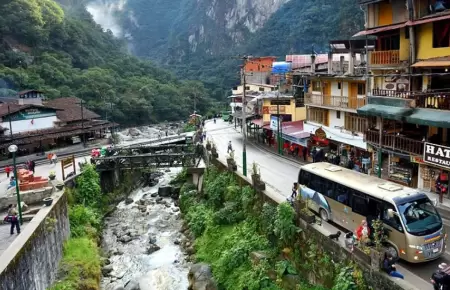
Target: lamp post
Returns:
[[13, 149]]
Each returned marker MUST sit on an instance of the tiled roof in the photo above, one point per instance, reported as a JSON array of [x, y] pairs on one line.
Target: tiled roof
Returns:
[[71, 109]]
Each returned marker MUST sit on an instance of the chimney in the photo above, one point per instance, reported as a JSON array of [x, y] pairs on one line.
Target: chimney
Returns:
[[351, 64], [330, 63], [313, 64], [341, 64]]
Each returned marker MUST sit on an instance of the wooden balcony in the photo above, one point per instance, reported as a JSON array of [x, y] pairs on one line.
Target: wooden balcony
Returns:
[[431, 99], [335, 101], [385, 57], [395, 142]]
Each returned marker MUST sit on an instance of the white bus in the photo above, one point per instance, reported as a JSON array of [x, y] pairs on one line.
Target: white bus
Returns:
[[346, 197]]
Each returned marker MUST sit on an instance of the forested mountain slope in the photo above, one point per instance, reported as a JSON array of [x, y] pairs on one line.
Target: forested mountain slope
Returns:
[[65, 53]]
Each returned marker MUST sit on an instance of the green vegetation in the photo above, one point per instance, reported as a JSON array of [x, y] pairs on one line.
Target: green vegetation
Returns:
[[80, 267], [65, 53], [255, 245]]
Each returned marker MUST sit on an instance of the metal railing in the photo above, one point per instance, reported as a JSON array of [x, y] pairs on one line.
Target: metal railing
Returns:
[[335, 101], [395, 142], [385, 57], [431, 99]]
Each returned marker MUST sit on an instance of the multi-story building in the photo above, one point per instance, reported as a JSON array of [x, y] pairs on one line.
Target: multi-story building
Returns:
[[408, 107], [334, 92]]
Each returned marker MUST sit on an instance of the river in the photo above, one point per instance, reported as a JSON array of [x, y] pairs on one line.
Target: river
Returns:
[[142, 237]]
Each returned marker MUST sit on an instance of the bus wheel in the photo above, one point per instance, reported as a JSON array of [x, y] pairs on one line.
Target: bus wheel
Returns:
[[392, 250], [324, 215]]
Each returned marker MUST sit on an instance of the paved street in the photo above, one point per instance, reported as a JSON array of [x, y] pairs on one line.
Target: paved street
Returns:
[[279, 174]]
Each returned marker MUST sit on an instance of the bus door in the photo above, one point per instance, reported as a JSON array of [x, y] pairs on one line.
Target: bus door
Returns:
[[396, 233]]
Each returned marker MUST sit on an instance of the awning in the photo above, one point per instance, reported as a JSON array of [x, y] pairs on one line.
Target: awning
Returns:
[[333, 134], [258, 122], [427, 20], [394, 113], [380, 29], [432, 63], [294, 132], [430, 117]]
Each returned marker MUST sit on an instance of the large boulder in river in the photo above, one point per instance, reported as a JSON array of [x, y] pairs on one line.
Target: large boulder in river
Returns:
[[201, 278], [165, 191], [132, 285]]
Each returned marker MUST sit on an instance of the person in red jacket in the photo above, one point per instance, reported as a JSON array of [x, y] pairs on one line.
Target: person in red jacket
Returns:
[[363, 231], [8, 170]]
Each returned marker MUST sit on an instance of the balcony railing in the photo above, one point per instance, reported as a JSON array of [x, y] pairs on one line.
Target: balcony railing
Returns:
[[335, 101], [385, 57], [395, 142], [432, 99]]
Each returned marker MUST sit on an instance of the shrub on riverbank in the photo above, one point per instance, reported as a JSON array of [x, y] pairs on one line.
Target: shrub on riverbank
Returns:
[[230, 223], [80, 268], [255, 245]]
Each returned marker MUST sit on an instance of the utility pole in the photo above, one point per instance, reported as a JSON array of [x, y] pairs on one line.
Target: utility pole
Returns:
[[82, 125], [279, 139], [10, 124], [244, 121]]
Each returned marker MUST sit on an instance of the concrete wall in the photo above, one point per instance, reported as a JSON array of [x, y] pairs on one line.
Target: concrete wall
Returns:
[[28, 197], [374, 278], [31, 261]]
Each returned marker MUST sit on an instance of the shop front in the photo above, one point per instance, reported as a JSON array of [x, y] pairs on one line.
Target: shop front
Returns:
[[403, 169], [338, 148], [434, 169]]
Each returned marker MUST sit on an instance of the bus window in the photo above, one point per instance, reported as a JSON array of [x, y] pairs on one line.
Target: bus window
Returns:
[[342, 194], [316, 183], [394, 221], [304, 178], [329, 188], [360, 204]]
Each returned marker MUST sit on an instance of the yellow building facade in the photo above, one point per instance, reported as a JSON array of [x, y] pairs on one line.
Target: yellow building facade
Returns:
[[286, 107]]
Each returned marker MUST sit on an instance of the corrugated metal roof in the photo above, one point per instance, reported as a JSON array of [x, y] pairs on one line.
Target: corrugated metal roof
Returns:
[[432, 63], [381, 29]]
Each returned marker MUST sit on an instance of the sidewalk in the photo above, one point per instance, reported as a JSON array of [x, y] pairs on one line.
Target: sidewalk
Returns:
[[443, 208]]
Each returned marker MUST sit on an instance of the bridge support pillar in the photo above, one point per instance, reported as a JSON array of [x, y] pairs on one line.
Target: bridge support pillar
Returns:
[[196, 175], [109, 180]]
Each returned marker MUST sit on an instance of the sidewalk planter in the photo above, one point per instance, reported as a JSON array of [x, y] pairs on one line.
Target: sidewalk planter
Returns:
[[48, 201], [214, 152], [208, 146], [59, 186], [255, 178], [310, 218], [362, 255], [231, 164], [376, 258], [52, 177]]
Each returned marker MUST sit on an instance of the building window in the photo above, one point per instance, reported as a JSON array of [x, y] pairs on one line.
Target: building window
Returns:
[[280, 102], [261, 89], [355, 123], [316, 86], [318, 116], [272, 89], [361, 89], [339, 85], [338, 114], [441, 34], [247, 88]]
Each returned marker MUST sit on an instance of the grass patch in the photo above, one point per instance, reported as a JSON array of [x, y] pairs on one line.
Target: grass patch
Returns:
[[80, 266]]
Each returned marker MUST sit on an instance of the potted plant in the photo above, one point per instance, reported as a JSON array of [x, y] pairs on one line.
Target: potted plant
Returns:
[[52, 175], [208, 145], [305, 213], [379, 239], [59, 186], [231, 162], [48, 201], [214, 150]]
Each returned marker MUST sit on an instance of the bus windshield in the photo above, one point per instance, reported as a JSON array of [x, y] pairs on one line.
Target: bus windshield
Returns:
[[420, 217]]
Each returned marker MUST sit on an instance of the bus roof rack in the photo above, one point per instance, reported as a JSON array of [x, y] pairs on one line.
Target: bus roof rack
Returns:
[[334, 168], [390, 186]]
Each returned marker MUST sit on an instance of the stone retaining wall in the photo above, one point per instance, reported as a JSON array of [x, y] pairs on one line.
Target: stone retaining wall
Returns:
[[29, 197], [31, 261]]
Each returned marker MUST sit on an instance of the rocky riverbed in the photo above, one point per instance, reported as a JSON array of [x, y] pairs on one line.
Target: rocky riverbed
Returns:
[[143, 241]]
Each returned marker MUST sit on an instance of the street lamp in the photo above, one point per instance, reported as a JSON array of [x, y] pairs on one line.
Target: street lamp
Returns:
[[13, 149]]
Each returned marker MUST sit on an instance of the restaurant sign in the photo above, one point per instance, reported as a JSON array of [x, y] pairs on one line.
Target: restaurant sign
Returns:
[[436, 154]]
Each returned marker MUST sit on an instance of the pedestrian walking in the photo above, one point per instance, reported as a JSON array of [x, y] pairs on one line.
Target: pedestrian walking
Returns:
[[230, 147], [33, 166], [8, 170], [12, 218], [54, 158]]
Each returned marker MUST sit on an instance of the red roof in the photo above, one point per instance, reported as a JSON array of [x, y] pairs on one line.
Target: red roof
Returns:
[[15, 107], [71, 109], [428, 20], [295, 129], [380, 29]]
